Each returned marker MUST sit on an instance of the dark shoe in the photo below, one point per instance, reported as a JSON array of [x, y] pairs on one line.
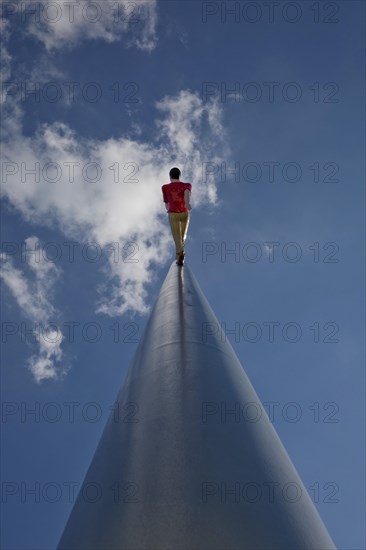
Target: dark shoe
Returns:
[[180, 260]]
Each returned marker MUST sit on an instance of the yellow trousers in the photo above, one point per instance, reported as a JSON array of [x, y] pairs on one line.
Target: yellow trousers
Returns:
[[179, 224]]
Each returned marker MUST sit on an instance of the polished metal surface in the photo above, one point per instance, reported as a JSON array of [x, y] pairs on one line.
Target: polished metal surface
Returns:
[[189, 459]]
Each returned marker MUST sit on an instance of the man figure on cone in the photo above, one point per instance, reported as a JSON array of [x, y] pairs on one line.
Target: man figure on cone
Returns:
[[176, 196]]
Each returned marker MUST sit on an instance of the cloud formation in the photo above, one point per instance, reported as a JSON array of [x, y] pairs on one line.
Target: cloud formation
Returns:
[[110, 191], [60, 24], [103, 191], [32, 293]]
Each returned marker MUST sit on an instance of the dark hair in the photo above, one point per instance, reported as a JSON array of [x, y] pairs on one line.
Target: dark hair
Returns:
[[174, 173]]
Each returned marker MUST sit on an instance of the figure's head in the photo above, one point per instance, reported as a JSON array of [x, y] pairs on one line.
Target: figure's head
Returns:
[[174, 174]]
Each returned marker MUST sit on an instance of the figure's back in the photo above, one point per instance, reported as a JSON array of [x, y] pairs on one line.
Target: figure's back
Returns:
[[174, 194]]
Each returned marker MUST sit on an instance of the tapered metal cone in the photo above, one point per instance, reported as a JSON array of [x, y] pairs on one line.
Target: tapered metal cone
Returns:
[[188, 459]]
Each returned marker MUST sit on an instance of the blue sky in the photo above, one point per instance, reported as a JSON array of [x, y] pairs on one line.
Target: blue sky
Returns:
[[149, 74]]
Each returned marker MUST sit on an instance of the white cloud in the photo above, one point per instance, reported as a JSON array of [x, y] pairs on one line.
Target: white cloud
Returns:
[[188, 133], [61, 24], [195, 132], [5, 57], [32, 294], [109, 211]]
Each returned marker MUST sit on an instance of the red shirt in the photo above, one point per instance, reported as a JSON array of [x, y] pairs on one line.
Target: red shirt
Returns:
[[173, 193]]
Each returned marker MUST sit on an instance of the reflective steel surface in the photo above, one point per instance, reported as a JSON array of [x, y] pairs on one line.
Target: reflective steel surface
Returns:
[[191, 461]]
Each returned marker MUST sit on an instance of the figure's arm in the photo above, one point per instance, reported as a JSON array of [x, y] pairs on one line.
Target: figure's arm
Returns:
[[187, 196], [165, 197]]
